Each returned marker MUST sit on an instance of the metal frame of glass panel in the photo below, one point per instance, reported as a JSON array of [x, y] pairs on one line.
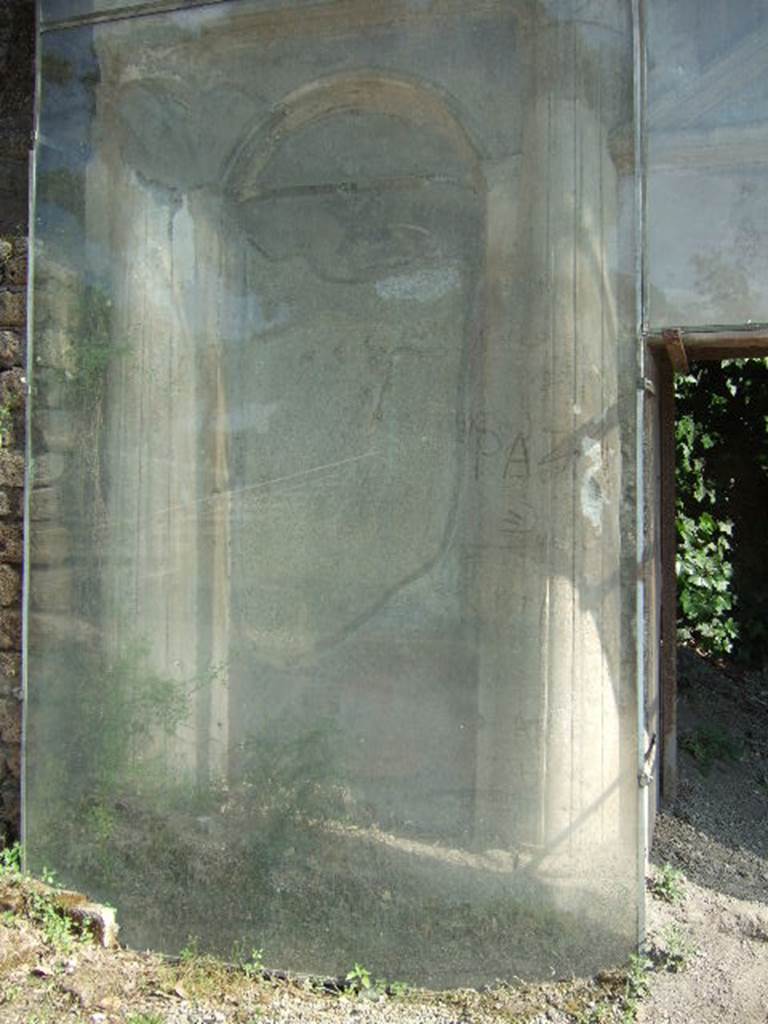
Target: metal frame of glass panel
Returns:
[[333, 544]]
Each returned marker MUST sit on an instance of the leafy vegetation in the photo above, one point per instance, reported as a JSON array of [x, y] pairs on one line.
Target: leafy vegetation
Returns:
[[668, 884], [359, 978], [677, 949], [709, 744], [38, 902], [10, 861], [722, 497], [144, 987], [636, 987]]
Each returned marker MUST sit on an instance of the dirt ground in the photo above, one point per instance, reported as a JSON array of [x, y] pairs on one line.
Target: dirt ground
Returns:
[[706, 958], [717, 835]]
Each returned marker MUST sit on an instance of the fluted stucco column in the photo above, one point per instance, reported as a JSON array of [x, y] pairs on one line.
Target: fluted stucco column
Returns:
[[550, 761]]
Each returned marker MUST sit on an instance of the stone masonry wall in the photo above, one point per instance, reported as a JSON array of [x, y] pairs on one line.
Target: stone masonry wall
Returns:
[[16, 115]]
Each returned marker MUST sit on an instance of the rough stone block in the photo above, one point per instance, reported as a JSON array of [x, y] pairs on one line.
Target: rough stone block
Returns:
[[11, 468], [13, 309], [11, 348], [14, 271], [10, 721], [10, 585], [10, 629], [11, 542], [14, 178], [7, 502], [95, 918], [13, 388], [10, 673], [15, 501], [9, 799], [13, 760], [12, 434]]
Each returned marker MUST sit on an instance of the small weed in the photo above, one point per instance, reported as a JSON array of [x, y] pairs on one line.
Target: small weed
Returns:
[[636, 986], [599, 1013], [360, 981], [359, 978], [640, 966], [58, 930], [709, 744], [145, 1018], [191, 951], [668, 884], [8, 410], [677, 949], [48, 877], [40, 906], [253, 967], [10, 861], [397, 989]]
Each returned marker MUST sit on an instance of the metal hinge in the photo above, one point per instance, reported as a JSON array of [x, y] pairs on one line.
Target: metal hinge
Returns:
[[645, 775]]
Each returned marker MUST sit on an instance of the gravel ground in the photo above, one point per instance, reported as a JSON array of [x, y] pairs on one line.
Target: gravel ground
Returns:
[[716, 835], [707, 958]]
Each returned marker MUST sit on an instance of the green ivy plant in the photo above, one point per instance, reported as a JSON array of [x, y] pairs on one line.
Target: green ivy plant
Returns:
[[722, 495]]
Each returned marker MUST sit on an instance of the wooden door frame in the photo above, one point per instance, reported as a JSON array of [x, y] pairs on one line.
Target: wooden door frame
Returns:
[[673, 349]]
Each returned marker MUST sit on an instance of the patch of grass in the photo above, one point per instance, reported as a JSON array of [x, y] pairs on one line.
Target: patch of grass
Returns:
[[668, 884], [200, 975], [709, 744], [9, 994], [145, 1018]]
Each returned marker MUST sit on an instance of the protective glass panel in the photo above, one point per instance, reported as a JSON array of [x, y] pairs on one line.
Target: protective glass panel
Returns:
[[330, 638], [708, 162], [56, 13]]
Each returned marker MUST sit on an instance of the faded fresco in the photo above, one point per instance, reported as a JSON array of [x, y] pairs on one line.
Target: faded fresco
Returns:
[[330, 642]]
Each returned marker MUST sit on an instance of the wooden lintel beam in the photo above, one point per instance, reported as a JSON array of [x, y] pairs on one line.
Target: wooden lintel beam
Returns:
[[726, 343], [675, 349]]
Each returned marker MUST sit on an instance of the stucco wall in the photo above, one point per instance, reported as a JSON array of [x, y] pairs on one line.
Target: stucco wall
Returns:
[[16, 106]]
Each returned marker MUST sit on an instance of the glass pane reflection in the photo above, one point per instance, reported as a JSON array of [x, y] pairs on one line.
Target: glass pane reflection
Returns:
[[329, 651], [708, 154]]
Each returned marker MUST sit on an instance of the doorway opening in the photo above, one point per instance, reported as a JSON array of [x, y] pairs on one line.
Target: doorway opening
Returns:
[[707, 487]]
